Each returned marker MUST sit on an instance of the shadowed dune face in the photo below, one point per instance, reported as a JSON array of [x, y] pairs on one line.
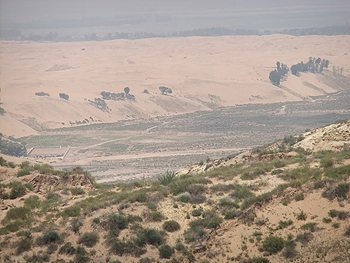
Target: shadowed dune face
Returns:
[[204, 73]]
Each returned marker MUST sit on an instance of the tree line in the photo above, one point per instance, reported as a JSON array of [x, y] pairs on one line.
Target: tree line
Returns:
[[313, 65]]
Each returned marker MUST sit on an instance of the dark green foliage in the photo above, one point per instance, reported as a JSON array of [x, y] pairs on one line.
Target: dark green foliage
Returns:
[[171, 226], [81, 255], [242, 192], [67, 249], [17, 190], [265, 197], [341, 191], [289, 250], [73, 211], [341, 215], [24, 244], [338, 172], [49, 237], [64, 96], [118, 221], [301, 216], [197, 212], [24, 171], [273, 244], [183, 184], [88, 239], [284, 224], [227, 202], [165, 90], [18, 213], [12, 147], [76, 224], [150, 236], [304, 237], [165, 251], [166, 178], [210, 220], [299, 197], [230, 214], [312, 227], [155, 216]]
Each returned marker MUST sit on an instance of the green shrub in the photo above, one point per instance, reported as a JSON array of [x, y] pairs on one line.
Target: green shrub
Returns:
[[155, 216], [242, 192], [24, 171], [301, 216], [23, 245], [230, 214], [118, 221], [77, 191], [273, 244], [32, 202], [81, 256], [165, 251], [184, 197], [197, 212], [210, 221], [284, 224], [38, 258], [88, 239], [49, 237], [299, 197], [18, 213], [43, 168], [171, 226], [72, 211], [76, 224], [17, 190], [166, 178], [341, 215], [67, 249], [304, 238], [150, 236], [227, 202], [312, 227]]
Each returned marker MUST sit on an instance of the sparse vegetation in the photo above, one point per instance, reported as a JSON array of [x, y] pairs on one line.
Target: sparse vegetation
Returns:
[[171, 226], [273, 244]]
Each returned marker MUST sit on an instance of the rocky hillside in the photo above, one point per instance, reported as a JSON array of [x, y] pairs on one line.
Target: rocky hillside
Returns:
[[288, 201]]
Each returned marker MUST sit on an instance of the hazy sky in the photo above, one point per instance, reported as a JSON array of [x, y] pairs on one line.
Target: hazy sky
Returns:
[[169, 15]]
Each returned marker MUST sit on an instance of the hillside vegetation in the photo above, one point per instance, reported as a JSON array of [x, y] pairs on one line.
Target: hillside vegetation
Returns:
[[288, 201]]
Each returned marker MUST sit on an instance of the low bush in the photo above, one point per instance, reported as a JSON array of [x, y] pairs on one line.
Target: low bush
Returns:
[[341, 215], [67, 249], [73, 211], [118, 221], [165, 251], [49, 237], [301, 216], [312, 227], [273, 244], [150, 236], [197, 212], [32, 202], [155, 216], [304, 238], [88, 239], [242, 192], [17, 190], [24, 244], [258, 260], [81, 255], [171, 226], [18, 213]]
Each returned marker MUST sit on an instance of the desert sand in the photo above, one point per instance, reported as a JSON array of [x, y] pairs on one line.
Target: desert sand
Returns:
[[204, 73]]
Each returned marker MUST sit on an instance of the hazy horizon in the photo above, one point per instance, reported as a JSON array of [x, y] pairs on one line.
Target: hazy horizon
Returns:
[[78, 17]]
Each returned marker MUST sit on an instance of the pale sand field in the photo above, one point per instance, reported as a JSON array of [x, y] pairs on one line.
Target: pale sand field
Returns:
[[204, 73]]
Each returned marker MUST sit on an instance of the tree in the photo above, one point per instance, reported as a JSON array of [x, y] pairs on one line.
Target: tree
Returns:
[[165, 90], [275, 77], [126, 90], [64, 96]]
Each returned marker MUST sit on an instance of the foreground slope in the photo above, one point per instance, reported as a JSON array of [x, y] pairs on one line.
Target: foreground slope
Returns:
[[203, 72], [279, 203]]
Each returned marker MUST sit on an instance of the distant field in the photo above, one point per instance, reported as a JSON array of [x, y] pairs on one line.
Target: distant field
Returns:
[[144, 148]]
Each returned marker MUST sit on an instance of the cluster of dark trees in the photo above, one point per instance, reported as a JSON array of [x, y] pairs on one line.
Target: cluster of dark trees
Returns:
[[277, 74], [12, 147], [42, 94], [106, 95], [64, 96], [165, 90], [314, 65]]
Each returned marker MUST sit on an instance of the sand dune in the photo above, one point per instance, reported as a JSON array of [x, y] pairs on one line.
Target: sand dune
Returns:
[[204, 73]]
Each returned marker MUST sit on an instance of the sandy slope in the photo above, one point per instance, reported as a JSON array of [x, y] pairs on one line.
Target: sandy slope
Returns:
[[204, 72]]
